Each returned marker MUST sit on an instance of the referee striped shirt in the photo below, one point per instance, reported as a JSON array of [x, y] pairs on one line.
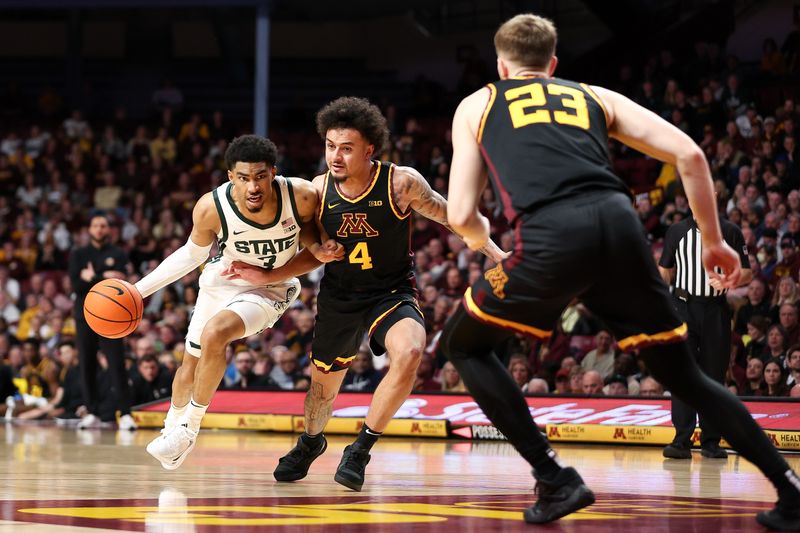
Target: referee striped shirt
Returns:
[[683, 251]]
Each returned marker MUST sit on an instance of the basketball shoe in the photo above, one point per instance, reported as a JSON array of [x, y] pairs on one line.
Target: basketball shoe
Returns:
[[89, 421], [784, 517], [127, 423], [295, 464], [171, 448], [351, 468], [564, 494]]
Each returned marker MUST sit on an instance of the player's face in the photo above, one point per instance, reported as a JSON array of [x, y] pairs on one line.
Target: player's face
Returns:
[[347, 153], [98, 229], [252, 183]]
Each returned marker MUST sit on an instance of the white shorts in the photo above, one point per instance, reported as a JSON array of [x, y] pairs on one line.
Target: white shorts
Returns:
[[258, 307]]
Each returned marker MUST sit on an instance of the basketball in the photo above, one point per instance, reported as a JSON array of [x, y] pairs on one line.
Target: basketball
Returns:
[[113, 308]]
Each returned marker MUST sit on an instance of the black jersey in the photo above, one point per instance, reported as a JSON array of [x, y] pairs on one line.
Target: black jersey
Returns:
[[376, 236], [543, 140]]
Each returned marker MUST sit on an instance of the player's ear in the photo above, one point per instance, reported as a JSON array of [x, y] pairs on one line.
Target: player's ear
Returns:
[[230, 175], [552, 67], [370, 151]]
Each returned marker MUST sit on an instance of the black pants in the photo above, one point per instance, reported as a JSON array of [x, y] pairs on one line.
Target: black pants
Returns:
[[88, 343], [709, 341]]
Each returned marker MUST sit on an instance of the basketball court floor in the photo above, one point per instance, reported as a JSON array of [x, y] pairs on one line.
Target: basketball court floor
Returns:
[[57, 479]]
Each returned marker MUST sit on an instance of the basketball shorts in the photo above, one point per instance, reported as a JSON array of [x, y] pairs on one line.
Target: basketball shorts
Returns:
[[258, 307], [593, 249], [343, 319]]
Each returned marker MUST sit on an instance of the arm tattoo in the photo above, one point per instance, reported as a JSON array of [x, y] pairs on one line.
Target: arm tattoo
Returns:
[[318, 408]]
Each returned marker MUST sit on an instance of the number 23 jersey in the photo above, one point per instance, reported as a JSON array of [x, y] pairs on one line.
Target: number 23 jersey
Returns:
[[376, 236], [543, 140]]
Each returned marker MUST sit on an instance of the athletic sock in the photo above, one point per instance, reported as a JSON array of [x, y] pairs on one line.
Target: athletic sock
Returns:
[[367, 438], [174, 414], [194, 415], [310, 440]]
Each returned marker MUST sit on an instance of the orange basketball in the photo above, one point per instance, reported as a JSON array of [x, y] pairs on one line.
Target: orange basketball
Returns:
[[113, 308]]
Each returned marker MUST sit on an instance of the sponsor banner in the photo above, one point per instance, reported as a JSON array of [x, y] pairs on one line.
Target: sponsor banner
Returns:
[[398, 428], [462, 411], [153, 419]]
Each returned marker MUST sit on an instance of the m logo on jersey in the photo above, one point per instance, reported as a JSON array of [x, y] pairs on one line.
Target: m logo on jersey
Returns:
[[355, 224]]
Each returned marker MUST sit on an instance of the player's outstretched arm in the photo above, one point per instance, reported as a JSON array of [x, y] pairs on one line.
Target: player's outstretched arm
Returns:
[[645, 131], [191, 255], [412, 190]]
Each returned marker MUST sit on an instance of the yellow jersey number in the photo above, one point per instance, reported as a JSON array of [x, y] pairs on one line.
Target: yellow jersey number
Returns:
[[523, 99], [360, 256]]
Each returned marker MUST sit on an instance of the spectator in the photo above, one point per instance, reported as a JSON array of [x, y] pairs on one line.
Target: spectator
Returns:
[[757, 344], [562, 382], [754, 375], [788, 318], [601, 358], [299, 339], [592, 383], [776, 343], [152, 382], [793, 365], [248, 379], [775, 378], [519, 370], [168, 96], [287, 369], [576, 379], [451, 380], [537, 386], [362, 376], [785, 293], [616, 385], [650, 387]]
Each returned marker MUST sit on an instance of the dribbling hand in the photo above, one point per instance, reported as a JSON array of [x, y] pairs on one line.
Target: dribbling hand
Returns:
[[721, 255]]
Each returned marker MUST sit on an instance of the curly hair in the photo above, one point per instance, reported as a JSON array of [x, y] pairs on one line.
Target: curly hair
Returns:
[[350, 112], [251, 149]]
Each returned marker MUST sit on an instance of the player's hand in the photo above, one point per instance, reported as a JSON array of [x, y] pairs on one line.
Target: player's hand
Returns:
[[87, 274], [494, 252], [249, 273], [328, 251], [722, 256]]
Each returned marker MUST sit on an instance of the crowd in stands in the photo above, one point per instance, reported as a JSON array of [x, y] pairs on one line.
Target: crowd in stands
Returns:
[[146, 175]]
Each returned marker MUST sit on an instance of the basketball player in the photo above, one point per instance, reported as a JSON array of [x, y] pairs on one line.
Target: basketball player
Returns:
[[366, 206], [543, 142], [256, 218]]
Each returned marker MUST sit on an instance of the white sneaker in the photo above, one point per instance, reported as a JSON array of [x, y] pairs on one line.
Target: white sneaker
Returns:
[[10, 405], [127, 423], [89, 421], [172, 448]]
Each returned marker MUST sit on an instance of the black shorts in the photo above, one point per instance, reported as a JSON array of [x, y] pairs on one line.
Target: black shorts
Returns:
[[344, 318], [592, 248]]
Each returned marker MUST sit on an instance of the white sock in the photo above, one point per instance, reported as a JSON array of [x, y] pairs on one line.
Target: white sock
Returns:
[[194, 415], [174, 414]]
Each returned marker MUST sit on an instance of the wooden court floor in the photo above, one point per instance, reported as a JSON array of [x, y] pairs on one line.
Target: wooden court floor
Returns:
[[58, 480]]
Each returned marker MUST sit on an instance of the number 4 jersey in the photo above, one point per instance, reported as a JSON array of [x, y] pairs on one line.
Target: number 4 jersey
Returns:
[[539, 123], [241, 239], [374, 233]]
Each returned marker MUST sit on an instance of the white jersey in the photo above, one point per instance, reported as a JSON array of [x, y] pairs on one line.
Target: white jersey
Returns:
[[240, 239]]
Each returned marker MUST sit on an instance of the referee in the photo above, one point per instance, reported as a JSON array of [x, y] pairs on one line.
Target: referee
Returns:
[[702, 304]]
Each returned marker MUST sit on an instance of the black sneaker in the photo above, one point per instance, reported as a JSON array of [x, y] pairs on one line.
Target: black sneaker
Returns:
[[563, 495], [783, 517], [676, 451], [294, 465], [713, 451], [351, 468]]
